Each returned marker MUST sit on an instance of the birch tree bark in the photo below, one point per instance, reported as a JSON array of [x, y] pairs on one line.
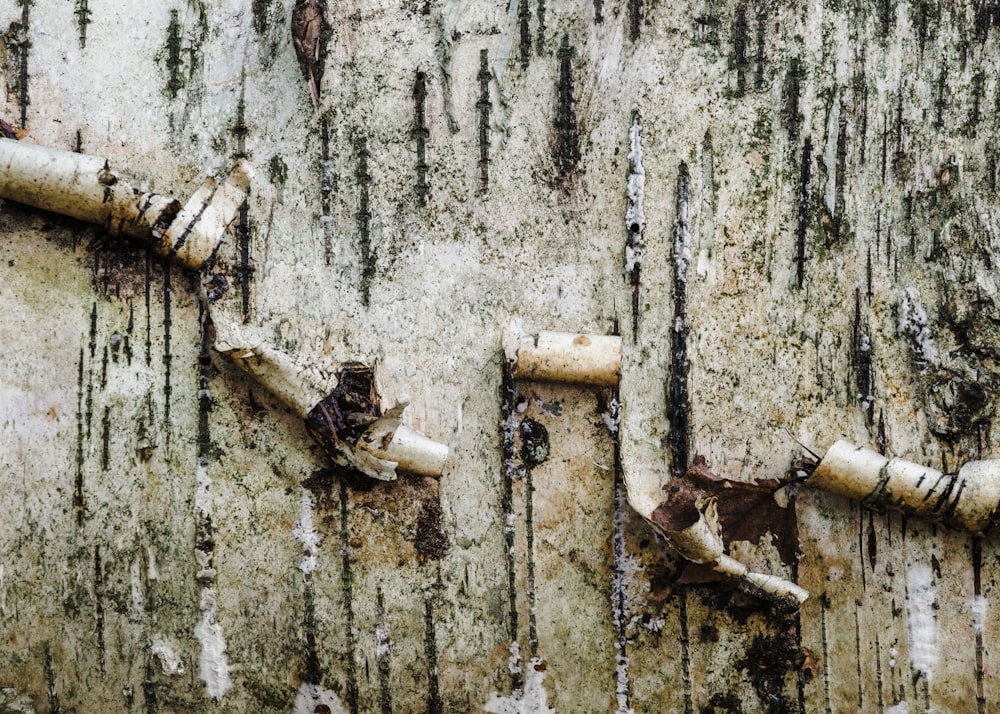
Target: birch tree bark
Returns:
[[788, 211]]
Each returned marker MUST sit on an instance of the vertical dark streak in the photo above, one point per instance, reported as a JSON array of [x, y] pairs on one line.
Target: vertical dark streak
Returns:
[[421, 133], [861, 98], [567, 131], [50, 680], [635, 12], [148, 283], [314, 672], [90, 370], [204, 530], [78, 505], [618, 595], [93, 331], [99, 606], [167, 358], [83, 13], [511, 472], [977, 589], [326, 190], [105, 438], [857, 656], [678, 401], [841, 177], [741, 38], [523, 16], [244, 272], [104, 369], [23, 46], [173, 59], [824, 605], [347, 591], [434, 704], [885, 147], [382, 655], [804, 198], [869, 292], [529, 532], [634, 219], [484, 105], [792, 113], [878, 674], [880, 438], [864, 377], [540, 39], [364, 224], [685, 639], [598, 12], [760, 59], [861, 546]]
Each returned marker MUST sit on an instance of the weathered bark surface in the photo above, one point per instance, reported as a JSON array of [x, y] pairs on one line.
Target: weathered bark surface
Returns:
[[820, 239]]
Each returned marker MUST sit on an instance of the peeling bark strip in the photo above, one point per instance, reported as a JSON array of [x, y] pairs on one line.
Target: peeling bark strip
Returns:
[[484, 105], [678, 401], [84, 187], [635, 218], [309, 35], [969, 500], [421, 133], [342, 412], [567, 132]]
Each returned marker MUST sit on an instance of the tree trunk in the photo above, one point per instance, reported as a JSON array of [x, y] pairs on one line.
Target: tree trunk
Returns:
[[787, 210]]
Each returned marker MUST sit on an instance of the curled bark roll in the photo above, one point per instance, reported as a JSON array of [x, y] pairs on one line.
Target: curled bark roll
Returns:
[[341, 411], [567, 357], [689, 520], [969, 500], [85, 187]]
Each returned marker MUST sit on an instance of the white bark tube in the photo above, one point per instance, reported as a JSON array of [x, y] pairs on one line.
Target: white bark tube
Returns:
[[409, 449], [701, 541], [569, 357], [295, 384], [968, 500], [85, 187], [381, 448]]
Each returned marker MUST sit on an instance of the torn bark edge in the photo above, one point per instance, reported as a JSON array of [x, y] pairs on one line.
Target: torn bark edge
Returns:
[[344, 419], [565, 357], [968, 500], [596, 360], [85, 187], [700, 541]]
